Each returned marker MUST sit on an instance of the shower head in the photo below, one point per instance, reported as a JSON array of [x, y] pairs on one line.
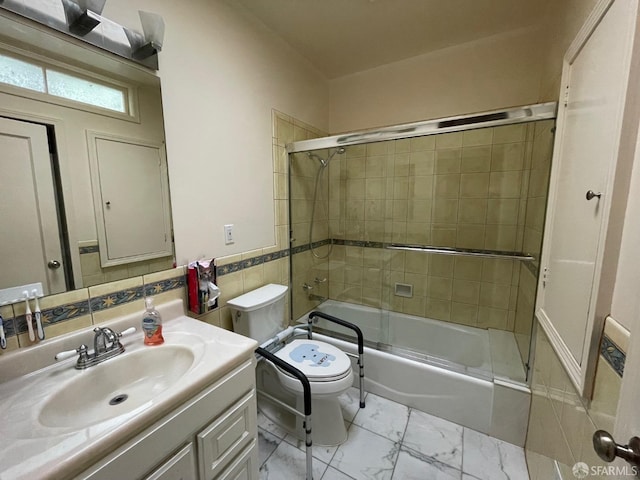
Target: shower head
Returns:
[[323, 162]]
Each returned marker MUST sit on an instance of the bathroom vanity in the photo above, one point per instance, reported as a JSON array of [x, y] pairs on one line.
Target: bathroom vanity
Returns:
[[185, 409]]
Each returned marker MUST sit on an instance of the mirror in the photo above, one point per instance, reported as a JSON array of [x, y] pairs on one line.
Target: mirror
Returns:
[[90, 153]]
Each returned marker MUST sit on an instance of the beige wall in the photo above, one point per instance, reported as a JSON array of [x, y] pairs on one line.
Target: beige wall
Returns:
[[563, 20], [222, 73], [488, 74]]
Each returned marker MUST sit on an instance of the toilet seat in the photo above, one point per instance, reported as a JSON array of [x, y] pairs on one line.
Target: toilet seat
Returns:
[[327, 368]]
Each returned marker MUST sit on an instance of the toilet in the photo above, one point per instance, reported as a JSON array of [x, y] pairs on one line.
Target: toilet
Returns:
[[259, 314]]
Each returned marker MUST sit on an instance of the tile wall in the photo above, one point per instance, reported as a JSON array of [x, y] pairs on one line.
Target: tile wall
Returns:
[[467, 190], [560, 423]]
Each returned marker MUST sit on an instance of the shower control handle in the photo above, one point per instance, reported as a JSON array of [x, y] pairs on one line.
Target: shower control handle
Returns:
[[591, 194]]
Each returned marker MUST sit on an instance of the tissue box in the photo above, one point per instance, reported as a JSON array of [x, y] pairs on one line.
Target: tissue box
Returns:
[[199, 275]]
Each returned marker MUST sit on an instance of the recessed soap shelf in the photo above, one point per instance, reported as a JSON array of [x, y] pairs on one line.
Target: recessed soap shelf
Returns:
[[404, 290]]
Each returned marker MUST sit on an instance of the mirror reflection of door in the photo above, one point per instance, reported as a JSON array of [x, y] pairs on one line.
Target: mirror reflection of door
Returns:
[[30, 242]]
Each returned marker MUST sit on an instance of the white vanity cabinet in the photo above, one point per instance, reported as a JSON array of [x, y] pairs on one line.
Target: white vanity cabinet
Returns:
[[211, 436]]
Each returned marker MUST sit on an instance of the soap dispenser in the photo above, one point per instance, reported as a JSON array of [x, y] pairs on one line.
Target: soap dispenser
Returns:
[[152, 324]]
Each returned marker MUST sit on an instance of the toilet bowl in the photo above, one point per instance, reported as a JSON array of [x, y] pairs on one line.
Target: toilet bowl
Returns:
[[259, 314]]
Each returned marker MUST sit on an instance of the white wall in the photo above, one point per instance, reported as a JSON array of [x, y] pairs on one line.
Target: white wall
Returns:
[[498, 71], [221, 74]]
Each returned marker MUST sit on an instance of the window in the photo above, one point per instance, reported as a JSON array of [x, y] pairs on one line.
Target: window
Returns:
[[41, 78]]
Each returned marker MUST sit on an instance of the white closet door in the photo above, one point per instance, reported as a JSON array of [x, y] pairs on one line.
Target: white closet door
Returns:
[[585, 154], [29, 237]]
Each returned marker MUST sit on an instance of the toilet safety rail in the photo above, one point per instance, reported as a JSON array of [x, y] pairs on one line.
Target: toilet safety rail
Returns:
[[306, 388], [353, 327]]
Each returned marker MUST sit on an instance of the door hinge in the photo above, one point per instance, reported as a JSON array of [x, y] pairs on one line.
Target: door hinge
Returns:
[[545, 276], [566, 96]]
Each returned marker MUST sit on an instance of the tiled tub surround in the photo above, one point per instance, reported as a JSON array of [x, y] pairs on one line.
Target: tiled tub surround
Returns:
[[560, 423], [481, 189]]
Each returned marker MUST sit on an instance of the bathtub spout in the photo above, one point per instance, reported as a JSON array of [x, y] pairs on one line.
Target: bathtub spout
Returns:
[[319, 298]]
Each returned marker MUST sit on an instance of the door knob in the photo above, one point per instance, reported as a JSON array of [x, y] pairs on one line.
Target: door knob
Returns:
[[607, 448], [590, 194], [54, 264]]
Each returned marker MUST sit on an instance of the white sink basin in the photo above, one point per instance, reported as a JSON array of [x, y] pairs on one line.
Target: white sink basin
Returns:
[[117, 386], [55, 420]]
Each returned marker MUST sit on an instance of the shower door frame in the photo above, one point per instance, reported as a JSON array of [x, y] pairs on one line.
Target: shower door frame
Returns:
[[509, 116]]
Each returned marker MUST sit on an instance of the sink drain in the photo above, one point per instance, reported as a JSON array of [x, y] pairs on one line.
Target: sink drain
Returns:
[[118, 399]]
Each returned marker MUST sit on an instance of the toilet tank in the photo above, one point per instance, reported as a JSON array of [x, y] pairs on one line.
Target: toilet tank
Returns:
[[259, 314]]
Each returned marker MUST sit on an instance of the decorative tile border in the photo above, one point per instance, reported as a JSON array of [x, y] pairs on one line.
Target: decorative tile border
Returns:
[[260, 259], [8, 324], [162, 286], [613, 354], [250, 262], [66, 312], [114, 299], [69, 311]]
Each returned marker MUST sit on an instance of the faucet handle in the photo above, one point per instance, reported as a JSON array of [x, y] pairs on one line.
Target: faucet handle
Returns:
[[82, 350], [126, 332]]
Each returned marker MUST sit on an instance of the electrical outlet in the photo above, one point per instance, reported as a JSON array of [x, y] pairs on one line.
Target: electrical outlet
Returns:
[[228, 234]]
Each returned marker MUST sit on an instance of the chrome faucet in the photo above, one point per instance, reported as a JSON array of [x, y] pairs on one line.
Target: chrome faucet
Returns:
[[102, 336], [106, 345]]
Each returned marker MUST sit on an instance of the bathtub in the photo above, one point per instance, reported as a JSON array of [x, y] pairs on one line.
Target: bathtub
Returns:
[[436, 367], [458, 347]]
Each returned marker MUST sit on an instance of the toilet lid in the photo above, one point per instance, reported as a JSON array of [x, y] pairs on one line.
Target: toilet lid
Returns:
[[319, 361]]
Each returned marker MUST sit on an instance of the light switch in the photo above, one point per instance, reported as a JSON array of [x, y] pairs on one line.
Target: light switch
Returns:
[[228, 234]]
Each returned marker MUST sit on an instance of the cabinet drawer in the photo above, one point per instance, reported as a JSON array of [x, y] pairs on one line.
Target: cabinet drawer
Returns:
[[182, 466], [226, 436], [244, 467]]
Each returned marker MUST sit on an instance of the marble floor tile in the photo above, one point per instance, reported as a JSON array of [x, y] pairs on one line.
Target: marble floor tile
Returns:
[[414, 466], [322, 453], [267, 424], [267, 443], [289, 463], [435, 438], [488, 458], [333, 474], [384, 417], [350, 403], [366, 455]]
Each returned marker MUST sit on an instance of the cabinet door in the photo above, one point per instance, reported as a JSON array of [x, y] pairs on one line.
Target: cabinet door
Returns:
[[131, 199], [586, 151], [245, 467], [181, 466], [226, 436]]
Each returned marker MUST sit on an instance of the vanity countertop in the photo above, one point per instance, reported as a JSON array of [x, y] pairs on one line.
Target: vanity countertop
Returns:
[[36, 445]]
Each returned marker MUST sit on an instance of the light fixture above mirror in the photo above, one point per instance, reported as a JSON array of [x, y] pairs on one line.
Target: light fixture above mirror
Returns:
[[82, 19]]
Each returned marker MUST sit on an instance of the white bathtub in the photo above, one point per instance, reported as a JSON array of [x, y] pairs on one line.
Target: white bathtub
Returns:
[[462, 346], [460, 387]]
